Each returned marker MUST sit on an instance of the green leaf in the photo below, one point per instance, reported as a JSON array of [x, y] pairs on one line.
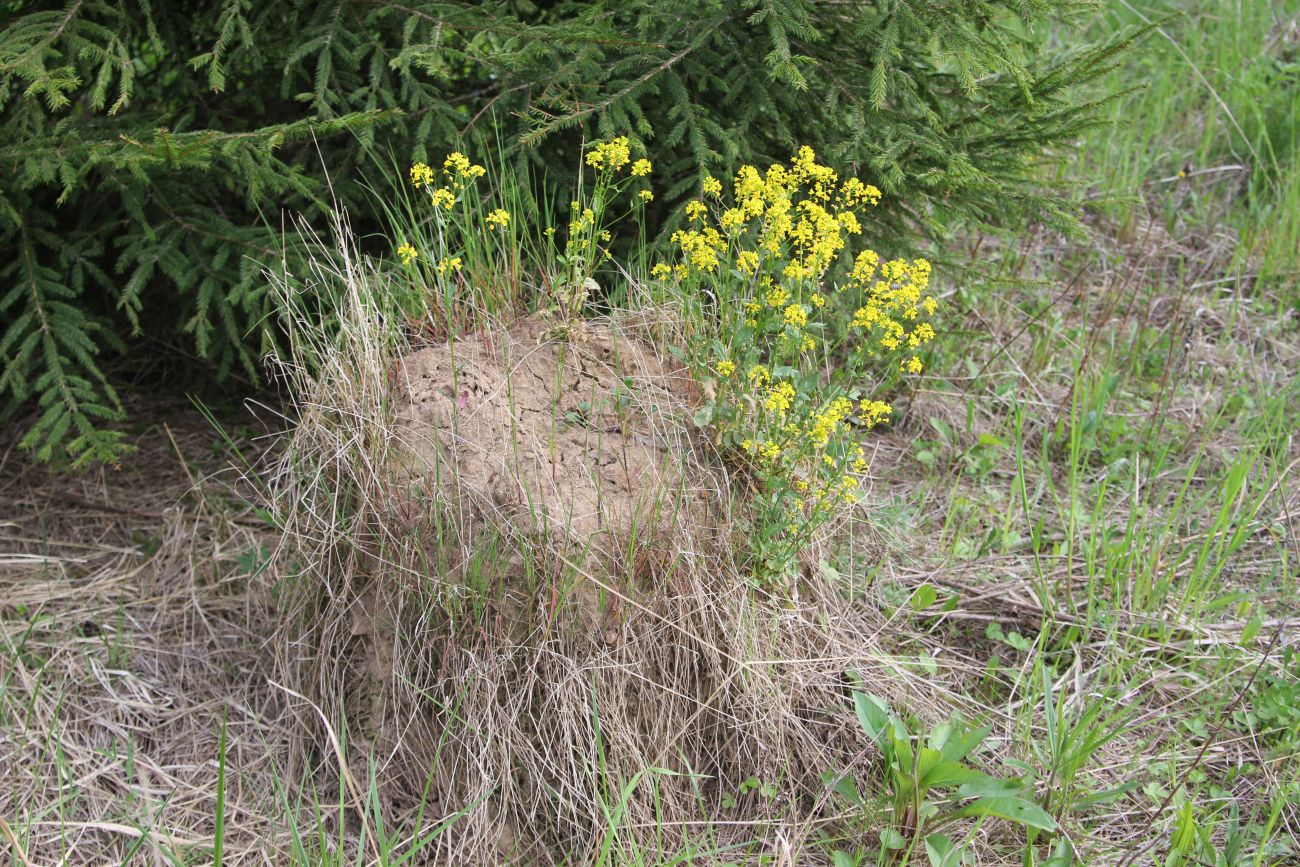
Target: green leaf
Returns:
[[957, 747], [991, 787], [923, 597], [892, 839], [873, 716], [1252, 629], [1106, 796], [940, 850], [1016, 810], [948, 774]]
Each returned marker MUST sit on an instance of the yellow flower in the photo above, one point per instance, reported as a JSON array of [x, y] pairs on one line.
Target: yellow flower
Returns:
[[854, 192], [421, 175], [456, 164], [695, 210], [725, 368], [864, 267], [448, 265], [758, 375], [912, 365], [661, 271], [873, 412], [732, 218], [407, 254], [585, 219], [747, 262], [646, 196], [776, 297], [443, 198], [749, 184], [712, 186], [859, 460], [498, 219], [611, 155], [796, 316], [825, 422], [923, 333], [779, 398], [640, 168]]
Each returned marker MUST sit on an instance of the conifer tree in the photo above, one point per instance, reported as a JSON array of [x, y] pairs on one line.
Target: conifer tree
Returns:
[[148, 151]]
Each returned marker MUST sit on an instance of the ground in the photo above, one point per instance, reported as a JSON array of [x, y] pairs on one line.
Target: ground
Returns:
[[1081, 530]]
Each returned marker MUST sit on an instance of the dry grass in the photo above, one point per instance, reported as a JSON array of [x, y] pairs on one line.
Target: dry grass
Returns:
[[128, 630], [378, 681]]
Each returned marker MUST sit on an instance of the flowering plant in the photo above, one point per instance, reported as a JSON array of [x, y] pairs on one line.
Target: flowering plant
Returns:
[[463, 250], [589, 221], [456, 250], [787, 344], [787, 326]]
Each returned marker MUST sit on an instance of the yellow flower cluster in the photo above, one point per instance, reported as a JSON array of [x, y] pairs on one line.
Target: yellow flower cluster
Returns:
[[828, 420], [612, 155], [800, 216], [407, 254], [457, 165], [443, 198], [780, 398], [421, 175], [701, 248], [458, 169], [760, 269], [892, 302], [583, 218], [498, 219], [873, 412], [796, 316], [767, 451], [812, 450]]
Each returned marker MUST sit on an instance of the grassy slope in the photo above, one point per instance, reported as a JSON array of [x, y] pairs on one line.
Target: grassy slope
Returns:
[[1102, 498], [1115, 473]]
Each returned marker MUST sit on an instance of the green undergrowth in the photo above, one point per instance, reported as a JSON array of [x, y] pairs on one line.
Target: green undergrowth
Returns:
[[1211, 139], [1079, 529]]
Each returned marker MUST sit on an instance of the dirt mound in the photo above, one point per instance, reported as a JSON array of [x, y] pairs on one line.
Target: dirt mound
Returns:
[[512, 587], [578, 442]]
